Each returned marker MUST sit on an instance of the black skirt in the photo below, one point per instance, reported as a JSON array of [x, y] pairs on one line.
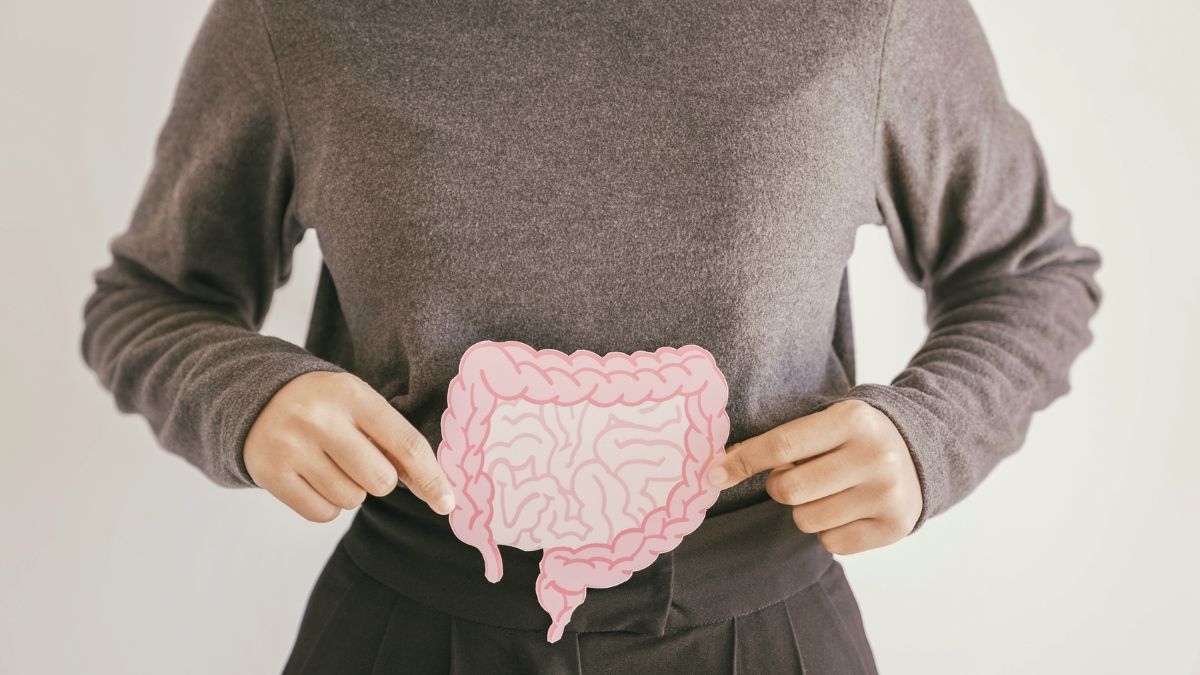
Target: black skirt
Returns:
[[356, 623]]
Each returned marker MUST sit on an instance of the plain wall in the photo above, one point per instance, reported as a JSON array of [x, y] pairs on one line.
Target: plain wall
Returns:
[[1078, 555]]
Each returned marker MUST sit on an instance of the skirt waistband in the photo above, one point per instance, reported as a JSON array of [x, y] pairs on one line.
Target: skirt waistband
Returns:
[[733, 564]]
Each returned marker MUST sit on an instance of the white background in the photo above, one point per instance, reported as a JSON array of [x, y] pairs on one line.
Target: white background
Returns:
[[1078, 555]]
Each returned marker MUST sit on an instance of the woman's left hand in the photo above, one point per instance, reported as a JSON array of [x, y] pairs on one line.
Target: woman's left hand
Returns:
[[845, 471]]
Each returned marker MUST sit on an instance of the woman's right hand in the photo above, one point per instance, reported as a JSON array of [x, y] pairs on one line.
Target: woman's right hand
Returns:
[[326, 439]]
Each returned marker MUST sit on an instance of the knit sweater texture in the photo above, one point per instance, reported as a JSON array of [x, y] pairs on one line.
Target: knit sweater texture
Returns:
[[609, 176]]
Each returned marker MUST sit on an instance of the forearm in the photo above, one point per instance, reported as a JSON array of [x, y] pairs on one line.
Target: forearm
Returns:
[[171, 328], [998, 350], [964, 190], [195, 372]]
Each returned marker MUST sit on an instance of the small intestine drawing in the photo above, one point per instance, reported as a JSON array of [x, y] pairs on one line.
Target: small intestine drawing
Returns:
[[598, 461]]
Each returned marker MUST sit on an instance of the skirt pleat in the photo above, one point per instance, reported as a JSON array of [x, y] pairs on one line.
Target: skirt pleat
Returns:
[[478, 648], [828, 628], [344, 624], [418, 639], [698, 649], [765, 642], [355, 624]]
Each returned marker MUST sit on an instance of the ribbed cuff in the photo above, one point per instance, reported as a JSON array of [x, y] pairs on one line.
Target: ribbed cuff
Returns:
[[245, 398], [925, 436]]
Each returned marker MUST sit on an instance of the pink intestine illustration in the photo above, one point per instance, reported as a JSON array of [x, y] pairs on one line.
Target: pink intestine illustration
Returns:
[[599, 461]]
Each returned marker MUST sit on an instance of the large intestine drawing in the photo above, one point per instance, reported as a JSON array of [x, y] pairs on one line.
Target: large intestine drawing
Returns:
[[598, 461]]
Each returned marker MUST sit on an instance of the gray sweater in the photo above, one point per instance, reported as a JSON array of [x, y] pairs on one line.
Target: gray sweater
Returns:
[[607, 176]]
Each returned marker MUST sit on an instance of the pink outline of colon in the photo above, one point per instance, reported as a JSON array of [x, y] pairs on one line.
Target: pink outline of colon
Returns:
[[493, 371]]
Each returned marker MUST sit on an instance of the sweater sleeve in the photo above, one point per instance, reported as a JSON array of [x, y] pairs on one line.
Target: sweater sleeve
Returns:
[[963, 190], [171, 327]]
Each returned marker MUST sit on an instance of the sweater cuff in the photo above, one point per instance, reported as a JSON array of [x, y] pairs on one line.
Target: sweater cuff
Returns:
[[925, 435], [240, 404]]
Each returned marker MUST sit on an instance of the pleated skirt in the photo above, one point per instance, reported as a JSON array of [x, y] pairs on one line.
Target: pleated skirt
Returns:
[[355, 624]]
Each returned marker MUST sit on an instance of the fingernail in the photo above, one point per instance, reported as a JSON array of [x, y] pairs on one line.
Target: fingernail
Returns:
[[717, 476], [444, 504]]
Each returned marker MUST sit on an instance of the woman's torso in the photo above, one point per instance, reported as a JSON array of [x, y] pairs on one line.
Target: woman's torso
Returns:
[[583, 175]]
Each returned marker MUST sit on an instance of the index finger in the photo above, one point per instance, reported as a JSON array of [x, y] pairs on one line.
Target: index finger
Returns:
[[790, 442], [397, 437]]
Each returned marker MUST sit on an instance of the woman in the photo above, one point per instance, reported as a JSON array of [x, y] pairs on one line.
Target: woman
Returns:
[[611, 177]]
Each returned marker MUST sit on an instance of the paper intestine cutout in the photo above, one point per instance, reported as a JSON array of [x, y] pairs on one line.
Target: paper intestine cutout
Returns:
[[599, 461]]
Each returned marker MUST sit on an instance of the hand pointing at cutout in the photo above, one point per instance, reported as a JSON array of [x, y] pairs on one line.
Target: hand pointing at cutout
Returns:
[[845, 471], [325, 440]]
